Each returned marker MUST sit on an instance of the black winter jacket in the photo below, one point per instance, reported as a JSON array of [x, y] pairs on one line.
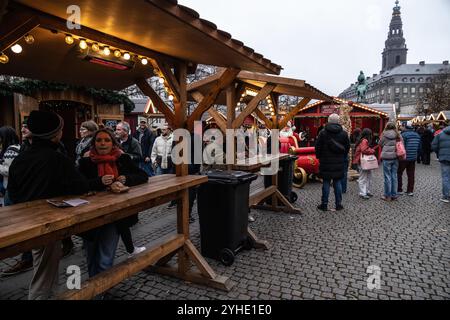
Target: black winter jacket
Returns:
[[332, 147], [146, 142], [133, 149], [41, 172]]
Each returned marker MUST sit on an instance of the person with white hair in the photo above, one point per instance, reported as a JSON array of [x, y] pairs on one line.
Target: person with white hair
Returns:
[[332, 146], [127, 143], [161, 152]]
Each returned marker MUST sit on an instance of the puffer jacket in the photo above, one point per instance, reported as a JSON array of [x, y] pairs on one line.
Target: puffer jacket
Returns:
[[332, 147], [387, 143], [412, 142], [441, 145]]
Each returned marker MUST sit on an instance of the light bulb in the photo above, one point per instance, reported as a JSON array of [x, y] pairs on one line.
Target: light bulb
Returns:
[[4, 58], [272, 113], [29, 38], [170, 97], [95, 47], [17, 48], [161, 80], [83, 44], [126, 56], [106, 51], [144, 61], [68, 39], [117, 54]]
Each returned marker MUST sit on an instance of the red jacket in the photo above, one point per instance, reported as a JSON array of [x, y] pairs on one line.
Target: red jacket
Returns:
[[363, 148]]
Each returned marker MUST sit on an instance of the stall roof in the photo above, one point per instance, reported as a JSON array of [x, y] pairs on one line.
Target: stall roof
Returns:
[[284, 86], [161, 27], [342, 101]]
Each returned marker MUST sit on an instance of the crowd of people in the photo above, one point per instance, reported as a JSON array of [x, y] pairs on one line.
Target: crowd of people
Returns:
[[397, 150], [105, 159], [38, 167]]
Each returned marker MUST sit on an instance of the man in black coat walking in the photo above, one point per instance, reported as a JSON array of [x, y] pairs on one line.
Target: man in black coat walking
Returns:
[[332, 146], [146, 138]]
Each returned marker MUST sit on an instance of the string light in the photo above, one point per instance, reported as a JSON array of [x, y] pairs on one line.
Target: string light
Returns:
[[171, 97], [144, 61], [161, 80], [69, 39], [17, 48], [29, 38], [4, 58], [117, 53], [83, 45], [126, 56], [106, 51], [95, 47]]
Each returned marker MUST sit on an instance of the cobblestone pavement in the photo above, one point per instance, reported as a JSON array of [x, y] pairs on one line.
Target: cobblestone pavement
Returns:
[[316, 255]]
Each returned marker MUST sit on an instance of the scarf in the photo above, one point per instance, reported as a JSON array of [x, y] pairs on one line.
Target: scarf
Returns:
[[106, 164]]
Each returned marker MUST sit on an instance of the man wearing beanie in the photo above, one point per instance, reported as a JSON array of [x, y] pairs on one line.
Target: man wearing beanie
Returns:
[[332, 146], [41, 172]]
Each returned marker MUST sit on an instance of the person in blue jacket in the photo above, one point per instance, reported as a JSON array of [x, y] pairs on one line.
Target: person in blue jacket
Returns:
[[412, 142]]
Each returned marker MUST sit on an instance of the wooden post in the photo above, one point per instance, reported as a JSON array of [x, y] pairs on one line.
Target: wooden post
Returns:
[[181, 110], [231, 112]]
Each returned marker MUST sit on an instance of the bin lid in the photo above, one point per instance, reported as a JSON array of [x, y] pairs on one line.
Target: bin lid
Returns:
[[230, 177]]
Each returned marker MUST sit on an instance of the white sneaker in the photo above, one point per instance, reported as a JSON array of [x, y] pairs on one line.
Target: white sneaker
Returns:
[[136, 251], [446, 200]]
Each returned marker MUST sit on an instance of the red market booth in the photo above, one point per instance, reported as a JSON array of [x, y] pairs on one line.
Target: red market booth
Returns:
[[313, 117]]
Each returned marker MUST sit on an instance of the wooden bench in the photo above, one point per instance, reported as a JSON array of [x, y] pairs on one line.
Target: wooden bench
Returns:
[[32, 224]]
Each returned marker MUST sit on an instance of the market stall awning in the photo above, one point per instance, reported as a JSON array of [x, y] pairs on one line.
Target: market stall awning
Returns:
[[157, 29], [256, 81]]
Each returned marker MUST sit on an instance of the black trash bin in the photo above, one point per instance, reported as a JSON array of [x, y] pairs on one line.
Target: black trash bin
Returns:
[[285, 179], [223, 214]]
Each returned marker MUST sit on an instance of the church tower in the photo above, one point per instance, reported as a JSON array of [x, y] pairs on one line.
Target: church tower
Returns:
[[394, 53]]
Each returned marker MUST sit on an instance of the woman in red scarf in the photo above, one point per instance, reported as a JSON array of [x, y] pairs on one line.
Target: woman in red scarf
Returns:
[[107, 167]]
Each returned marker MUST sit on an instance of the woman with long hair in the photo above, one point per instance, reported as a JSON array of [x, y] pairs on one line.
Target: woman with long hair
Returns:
[[388, 144], [108, 167], [362, 147], [87, 130]]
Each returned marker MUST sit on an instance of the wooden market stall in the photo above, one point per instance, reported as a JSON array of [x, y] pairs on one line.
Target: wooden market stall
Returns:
[[249, 93], [313, 117], [119, 43]]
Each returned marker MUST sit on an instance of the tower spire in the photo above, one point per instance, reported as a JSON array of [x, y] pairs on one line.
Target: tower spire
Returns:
[[394, 53]]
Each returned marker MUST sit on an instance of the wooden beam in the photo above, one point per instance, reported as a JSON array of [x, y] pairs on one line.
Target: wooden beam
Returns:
[[157, 101], [219, 120], [265, 91], [293, 112], [111, 277], [263, 117], [169, 77], [260, 196], [198, 96], [231, 105], [15, 26], [198, 260], [227, 77], [181, 111]]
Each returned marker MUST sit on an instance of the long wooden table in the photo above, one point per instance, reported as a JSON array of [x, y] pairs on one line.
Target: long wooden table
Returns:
[[32, 224]]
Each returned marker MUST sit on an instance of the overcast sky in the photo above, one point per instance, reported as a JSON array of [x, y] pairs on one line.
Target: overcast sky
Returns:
[[327, 42]]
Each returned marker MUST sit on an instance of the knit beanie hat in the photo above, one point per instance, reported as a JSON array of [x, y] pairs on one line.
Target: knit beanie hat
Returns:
[[44, 124]]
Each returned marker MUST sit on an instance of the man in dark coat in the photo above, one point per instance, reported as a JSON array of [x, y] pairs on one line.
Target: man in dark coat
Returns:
[[128, 144], [146, 138], [41, 173], [332, 146]]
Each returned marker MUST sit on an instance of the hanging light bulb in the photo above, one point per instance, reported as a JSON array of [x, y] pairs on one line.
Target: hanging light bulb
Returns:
[[29, 38], [161, 80], [83, 44], [126, 56], [144, 61], [95, 47], [17, 48], [4, 58], [106, 51], [117, 54], [171, 97], [272, 114], [69, 39]]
